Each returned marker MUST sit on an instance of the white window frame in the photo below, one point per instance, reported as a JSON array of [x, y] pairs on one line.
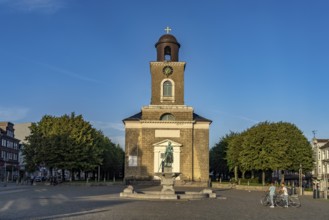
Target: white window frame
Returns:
[[168, 98]]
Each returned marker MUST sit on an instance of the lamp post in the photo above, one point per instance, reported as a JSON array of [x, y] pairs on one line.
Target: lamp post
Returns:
[[300, 180], [99, 173]]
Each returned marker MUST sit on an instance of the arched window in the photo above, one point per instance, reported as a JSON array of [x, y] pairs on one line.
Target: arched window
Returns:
[[167, 117], [167, 53], [167, 89]]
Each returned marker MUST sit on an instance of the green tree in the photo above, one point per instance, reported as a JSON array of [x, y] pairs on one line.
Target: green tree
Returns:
[[233, 153], [66, 142], [218, 156], [275, 146], [215, 160], [256, 152], [113, 162], [298, 149]]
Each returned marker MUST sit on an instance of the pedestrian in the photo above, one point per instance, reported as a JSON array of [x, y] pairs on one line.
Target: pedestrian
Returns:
[[272, 194], [32, 179], [284, 191]]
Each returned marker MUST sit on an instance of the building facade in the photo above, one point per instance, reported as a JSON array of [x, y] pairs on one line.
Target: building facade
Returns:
[[167, 120], [9, 152], [321, 157], [22, 130]]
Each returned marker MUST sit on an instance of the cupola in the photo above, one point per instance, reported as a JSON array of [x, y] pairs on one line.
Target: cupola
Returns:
[[167, 48]]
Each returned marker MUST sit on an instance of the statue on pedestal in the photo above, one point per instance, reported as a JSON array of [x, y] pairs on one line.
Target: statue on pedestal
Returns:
[[169, 157]]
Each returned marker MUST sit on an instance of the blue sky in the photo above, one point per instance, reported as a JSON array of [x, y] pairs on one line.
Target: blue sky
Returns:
[[247, 61]]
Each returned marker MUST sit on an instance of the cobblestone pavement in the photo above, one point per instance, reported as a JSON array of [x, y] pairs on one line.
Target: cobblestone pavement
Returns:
[[103, 202]]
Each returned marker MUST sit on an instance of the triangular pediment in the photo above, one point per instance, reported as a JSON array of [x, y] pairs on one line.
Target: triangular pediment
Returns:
[[164, 143]]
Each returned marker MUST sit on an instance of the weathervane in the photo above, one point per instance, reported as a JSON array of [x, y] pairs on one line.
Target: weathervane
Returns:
[[168, 29], [314, 132]]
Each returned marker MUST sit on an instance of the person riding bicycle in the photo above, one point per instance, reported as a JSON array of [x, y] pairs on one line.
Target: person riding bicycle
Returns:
[[272, 190]]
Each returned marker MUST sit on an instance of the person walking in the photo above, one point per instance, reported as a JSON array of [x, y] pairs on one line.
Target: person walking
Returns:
[[32, 179], [272, 193]]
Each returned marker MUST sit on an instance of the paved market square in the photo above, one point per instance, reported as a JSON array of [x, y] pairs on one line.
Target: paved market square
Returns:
[[104, 202]]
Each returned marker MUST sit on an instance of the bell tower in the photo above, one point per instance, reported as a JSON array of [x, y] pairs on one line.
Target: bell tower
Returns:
[[167, 72]]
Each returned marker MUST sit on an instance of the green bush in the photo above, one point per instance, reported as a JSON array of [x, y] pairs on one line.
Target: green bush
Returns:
[[251, 181]]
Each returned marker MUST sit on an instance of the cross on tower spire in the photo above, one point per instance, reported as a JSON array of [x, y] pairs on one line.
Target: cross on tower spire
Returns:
[[168, 29]]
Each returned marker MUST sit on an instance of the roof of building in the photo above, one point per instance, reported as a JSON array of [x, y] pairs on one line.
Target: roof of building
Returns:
[[197, 117], [135, 117], [322, 140], [325, 146], [138, 116], [167, 38]]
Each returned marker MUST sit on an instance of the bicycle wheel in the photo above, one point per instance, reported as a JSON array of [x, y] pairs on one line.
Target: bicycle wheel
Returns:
[[294, 201], [279, 201], [265, 201]]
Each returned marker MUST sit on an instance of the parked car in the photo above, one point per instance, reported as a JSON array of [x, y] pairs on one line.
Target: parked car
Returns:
[[38, 179]]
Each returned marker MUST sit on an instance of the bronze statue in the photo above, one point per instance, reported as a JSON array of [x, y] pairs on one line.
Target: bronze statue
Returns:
[[169, 157]]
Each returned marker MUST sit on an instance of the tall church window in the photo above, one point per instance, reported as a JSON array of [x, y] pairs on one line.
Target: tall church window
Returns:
[[167, 117], [167, 89]]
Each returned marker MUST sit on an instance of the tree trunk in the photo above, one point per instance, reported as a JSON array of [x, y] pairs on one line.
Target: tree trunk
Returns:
[[79, 174], [72, 175], [252, 174], [243, 173], [282, 178], [263, 177], [236, 173]]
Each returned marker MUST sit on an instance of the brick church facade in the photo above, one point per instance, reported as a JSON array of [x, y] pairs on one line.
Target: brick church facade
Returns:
[[167, 119]]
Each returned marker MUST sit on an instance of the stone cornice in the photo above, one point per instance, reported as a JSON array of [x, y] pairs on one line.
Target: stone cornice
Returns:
[[167, 63], [166, 124], [172, 107]]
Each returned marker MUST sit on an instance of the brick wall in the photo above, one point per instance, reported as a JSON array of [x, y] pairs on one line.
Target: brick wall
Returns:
[[180, 114], [194, 157], [201, 154], [157, 77]]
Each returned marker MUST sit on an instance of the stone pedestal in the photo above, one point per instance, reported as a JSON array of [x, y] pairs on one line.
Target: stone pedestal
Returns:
[[167, 192], [167, 181]]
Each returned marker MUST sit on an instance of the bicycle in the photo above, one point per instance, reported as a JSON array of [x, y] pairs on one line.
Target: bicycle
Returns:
[[266, 201], [293, 201], [279, 200]]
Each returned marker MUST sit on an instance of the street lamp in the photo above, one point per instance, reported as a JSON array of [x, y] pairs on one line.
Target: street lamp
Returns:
[[300, 179]]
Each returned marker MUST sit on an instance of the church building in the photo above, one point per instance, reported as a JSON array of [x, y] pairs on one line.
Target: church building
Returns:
[[167, 120]]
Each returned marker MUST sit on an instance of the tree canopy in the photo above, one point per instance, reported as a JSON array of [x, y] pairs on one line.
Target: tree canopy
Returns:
[[267, 146], [275, 146], [66, 142], [218, 158]]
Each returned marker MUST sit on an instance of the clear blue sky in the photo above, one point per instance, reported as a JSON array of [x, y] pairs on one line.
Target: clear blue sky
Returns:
[[247, 61]]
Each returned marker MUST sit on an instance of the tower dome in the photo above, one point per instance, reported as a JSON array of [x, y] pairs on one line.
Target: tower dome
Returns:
[[167, 48]]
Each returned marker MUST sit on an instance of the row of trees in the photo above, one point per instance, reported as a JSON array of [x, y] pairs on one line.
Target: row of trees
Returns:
[[264, 147], [70, 143]]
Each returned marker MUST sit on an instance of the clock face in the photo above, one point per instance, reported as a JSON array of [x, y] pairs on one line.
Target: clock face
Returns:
[[167, 70]]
